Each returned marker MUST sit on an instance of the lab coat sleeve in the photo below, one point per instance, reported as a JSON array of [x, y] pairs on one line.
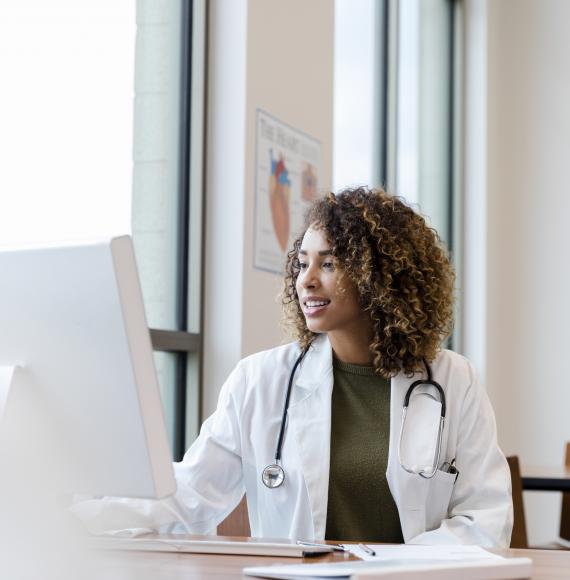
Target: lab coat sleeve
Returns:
[[209, 480], [480, 509]]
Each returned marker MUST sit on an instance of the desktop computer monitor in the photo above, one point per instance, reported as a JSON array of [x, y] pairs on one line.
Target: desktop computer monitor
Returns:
[[78, 388]]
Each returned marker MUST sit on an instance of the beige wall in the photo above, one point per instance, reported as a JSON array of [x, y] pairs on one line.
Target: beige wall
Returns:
[[277, 56], [290, 75], [528, 235]]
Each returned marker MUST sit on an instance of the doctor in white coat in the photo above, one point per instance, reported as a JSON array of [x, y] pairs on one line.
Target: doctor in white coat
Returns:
[[367, 284]]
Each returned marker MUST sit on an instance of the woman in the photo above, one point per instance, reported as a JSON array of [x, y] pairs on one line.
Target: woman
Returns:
[[368, 294]]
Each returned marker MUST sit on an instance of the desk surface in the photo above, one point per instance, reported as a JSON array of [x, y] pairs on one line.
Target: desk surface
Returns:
[[547, 565], [545, 478]]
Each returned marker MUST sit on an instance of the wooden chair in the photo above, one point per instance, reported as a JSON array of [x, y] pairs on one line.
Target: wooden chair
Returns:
[[237, 523], [565, 512], [519, 538], [563, 543]]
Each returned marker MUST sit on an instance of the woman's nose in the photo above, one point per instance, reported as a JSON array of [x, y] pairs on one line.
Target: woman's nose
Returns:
[[310, 279]]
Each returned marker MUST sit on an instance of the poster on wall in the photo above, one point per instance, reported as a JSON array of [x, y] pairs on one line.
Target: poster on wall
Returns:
[[287, 174]]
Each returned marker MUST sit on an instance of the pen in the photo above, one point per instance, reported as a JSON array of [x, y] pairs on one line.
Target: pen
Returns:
[[367, 549], [334, 547], [450, 468]]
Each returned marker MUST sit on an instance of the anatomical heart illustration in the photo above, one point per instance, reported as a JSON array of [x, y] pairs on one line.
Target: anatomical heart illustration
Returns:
[[308, 182], [288, 167], [279, 199]]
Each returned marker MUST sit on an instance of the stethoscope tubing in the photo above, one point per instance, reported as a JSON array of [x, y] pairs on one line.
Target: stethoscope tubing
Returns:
[[428, 381], [286, 406], [431, 382], [437, 453]]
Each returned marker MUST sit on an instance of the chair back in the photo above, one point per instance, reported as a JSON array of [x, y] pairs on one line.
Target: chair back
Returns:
[[237, 523], [519, 538], [565, 512]]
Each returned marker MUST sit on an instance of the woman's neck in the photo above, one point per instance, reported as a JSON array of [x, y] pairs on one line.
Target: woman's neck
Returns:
[[352, 345]]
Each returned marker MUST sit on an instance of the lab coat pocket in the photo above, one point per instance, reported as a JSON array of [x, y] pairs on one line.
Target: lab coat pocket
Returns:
[[439, 496]]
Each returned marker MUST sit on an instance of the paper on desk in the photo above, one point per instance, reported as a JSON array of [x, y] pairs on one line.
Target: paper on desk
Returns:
[[128, 533], [410, 552], [481, 569]]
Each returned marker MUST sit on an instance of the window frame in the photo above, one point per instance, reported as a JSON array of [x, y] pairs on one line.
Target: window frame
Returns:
[[185, 342]]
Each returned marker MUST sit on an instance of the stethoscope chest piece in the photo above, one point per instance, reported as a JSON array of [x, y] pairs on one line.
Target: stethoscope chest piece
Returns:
[[273, 476]]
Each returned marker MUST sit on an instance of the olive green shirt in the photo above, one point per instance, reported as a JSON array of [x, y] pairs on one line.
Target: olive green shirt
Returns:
[[360, 505]]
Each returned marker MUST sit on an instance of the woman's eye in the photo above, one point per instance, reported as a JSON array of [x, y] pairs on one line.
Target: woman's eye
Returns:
[[302, 265], [328, 265]]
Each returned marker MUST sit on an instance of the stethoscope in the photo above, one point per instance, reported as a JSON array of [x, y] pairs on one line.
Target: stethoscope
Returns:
[[273, 475], [426, 471]]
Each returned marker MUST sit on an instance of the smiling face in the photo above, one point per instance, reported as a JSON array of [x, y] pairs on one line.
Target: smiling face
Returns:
[[328, 298]]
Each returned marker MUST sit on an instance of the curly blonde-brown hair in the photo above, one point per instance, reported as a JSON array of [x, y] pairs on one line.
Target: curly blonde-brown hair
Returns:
[[398, 265]]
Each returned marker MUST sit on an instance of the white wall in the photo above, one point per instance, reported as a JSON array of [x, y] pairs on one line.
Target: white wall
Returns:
[[527, 159], [279, 57]]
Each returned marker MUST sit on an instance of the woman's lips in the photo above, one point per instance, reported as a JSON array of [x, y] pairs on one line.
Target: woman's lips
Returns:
[[316, 310]]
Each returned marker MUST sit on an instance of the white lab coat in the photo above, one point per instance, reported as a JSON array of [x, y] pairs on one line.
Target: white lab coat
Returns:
[[240, 438]]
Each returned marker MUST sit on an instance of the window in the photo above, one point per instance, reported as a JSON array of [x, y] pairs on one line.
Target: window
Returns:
[[397, 106], [167, 211], [425, 116], [359, 93]]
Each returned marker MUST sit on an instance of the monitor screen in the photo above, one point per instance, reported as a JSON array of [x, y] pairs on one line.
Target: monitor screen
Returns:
[[77, 378]]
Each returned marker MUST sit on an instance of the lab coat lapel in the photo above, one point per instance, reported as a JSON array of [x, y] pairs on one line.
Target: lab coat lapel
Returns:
[[310, 418]]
